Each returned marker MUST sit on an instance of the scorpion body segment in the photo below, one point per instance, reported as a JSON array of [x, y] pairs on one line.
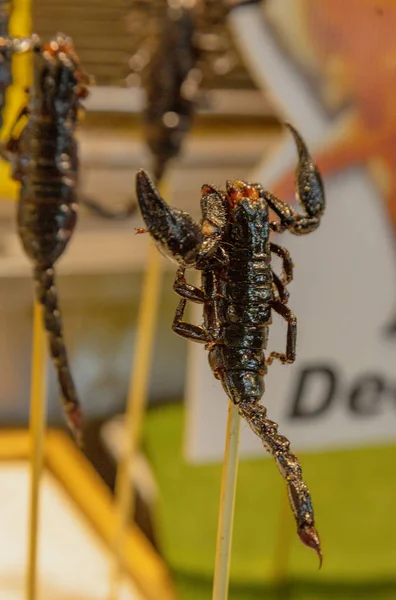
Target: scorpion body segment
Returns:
[[44, 159], [239, 292]]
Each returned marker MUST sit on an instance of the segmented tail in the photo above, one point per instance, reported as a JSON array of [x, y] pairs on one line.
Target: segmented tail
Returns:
[[279, 446], [44, 277]]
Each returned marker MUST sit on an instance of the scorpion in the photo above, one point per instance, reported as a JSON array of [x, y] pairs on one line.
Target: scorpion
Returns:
[[232, 249], [44, 159], [175, 73], [170, 104]]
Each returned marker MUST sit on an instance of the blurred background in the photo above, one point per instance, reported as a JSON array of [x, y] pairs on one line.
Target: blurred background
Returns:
[[343, 57]]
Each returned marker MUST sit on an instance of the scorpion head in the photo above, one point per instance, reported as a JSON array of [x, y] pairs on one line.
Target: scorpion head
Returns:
[[237, 190], [59, 82]]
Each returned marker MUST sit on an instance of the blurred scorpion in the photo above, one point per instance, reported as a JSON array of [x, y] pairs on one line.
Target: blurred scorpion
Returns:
[[175, 71], [44, 159], [232, 249]]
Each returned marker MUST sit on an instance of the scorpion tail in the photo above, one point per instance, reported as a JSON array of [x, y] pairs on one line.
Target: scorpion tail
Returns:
[[300, 500], [46, 293]]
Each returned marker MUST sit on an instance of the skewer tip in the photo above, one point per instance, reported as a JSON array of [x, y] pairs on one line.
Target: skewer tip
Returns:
[[309, 536]]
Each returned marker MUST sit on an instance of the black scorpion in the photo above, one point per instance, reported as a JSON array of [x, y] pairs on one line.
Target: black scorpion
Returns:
[[232, 249], [175, 71], [44, 159], [170, 88]]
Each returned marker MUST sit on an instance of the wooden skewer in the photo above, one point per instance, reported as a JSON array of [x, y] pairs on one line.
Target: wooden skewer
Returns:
[[136, 406], [227, 505], [283, 542], [37, 432]]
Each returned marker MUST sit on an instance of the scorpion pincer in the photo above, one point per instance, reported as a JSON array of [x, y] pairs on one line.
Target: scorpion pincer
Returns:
[[232, 249], [44, 159]]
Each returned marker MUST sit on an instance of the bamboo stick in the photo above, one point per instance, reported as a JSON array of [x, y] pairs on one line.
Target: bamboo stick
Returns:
[[283, 542], [136, 406], [37, 432], [227, 505]]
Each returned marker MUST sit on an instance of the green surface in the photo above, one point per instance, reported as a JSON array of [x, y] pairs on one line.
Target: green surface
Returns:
[[354, 496]]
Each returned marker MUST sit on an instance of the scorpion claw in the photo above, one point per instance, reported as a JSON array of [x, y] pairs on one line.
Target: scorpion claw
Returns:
[[309, 182], [175, 232], [309, 536]]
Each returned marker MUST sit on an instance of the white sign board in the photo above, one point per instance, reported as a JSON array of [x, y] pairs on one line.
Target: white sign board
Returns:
[[341, 391]]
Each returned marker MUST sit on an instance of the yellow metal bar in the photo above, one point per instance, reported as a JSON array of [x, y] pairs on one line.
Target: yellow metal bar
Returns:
[[227, 505], [84, 486], [90, 494], [37, 432], [136, 406], [16, 97]]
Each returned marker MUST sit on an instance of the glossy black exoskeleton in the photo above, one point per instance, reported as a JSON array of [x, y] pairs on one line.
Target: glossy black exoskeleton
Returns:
[[44, 159], [232, 249]]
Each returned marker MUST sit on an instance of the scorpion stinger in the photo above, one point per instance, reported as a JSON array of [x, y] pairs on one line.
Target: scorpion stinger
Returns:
[[176, 233]]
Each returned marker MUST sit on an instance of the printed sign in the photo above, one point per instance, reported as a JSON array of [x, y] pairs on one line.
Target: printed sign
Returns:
[[341, 391]]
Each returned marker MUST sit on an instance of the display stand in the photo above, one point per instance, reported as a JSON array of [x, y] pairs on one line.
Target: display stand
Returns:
[[136, 406], [227, 505], [90, 503]]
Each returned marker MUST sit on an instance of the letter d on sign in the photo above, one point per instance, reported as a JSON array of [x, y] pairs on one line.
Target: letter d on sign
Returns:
[[324, 380]]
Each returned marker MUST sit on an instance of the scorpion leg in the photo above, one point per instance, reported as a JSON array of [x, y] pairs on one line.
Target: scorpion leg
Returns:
[[287, 266], [289, 218], [11, 146], [289, 467], [185, 290], [120, 214], [291, 319], [282, 291], [196, 333], [22, 113]]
